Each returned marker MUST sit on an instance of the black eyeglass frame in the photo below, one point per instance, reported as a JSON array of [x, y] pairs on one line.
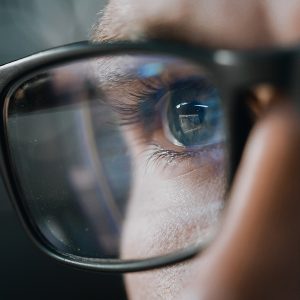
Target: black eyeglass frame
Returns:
[[234, 72]]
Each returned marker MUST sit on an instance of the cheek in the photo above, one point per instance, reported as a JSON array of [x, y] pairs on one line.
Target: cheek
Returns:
[[171, 206], [166, 213], [164, 283]]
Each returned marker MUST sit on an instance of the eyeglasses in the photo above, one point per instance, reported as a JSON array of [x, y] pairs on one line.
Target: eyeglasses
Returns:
[[118, 156]]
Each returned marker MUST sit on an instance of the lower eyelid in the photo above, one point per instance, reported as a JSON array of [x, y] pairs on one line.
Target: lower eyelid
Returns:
[[161, 154], [174, 163]]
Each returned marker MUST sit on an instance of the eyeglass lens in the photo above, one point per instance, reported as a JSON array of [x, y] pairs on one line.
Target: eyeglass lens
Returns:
[[119, 156]]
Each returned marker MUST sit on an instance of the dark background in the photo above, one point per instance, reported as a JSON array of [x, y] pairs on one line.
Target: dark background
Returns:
[[26, 273]]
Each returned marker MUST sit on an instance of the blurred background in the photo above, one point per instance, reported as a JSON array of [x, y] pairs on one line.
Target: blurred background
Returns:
[[27, 27]]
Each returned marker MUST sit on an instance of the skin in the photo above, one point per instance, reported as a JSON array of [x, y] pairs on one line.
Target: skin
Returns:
[[256, 254]]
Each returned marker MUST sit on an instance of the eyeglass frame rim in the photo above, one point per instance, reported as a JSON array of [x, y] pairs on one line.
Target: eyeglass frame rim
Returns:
[[219, 61]]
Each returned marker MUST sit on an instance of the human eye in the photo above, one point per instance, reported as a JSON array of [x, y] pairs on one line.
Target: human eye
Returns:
[[175, 111]]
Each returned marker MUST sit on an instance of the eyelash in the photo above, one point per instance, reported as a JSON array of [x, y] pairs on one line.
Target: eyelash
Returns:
[[158, 154], [134, 112]]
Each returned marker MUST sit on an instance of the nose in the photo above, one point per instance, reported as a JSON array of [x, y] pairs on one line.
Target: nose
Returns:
[[257, 252]]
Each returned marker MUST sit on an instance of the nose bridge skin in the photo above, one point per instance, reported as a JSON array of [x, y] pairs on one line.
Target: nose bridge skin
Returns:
[[257, 252]]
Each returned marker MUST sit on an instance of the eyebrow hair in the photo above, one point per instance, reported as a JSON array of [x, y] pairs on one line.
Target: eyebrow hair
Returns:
[[130, 23], [211, 23]]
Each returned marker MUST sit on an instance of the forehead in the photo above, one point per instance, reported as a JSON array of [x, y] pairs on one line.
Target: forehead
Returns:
[[217, 23]]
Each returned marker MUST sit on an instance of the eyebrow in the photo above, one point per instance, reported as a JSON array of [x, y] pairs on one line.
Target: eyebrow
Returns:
[[211, 23], [118, 23]]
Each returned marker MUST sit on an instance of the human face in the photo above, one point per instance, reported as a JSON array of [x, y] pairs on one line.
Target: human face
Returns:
[[257, 252]]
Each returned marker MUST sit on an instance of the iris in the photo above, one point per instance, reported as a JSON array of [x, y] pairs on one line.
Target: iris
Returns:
[[193, 114]]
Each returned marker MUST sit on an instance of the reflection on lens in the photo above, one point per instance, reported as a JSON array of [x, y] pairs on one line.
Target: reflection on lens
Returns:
[[120, 156]]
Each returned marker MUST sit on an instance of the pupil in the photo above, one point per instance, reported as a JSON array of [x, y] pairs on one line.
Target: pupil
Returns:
[[187, 122], [190, 116]]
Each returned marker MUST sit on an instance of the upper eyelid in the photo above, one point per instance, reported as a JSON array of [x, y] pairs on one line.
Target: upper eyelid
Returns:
[[119, 80], [143, 102]]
